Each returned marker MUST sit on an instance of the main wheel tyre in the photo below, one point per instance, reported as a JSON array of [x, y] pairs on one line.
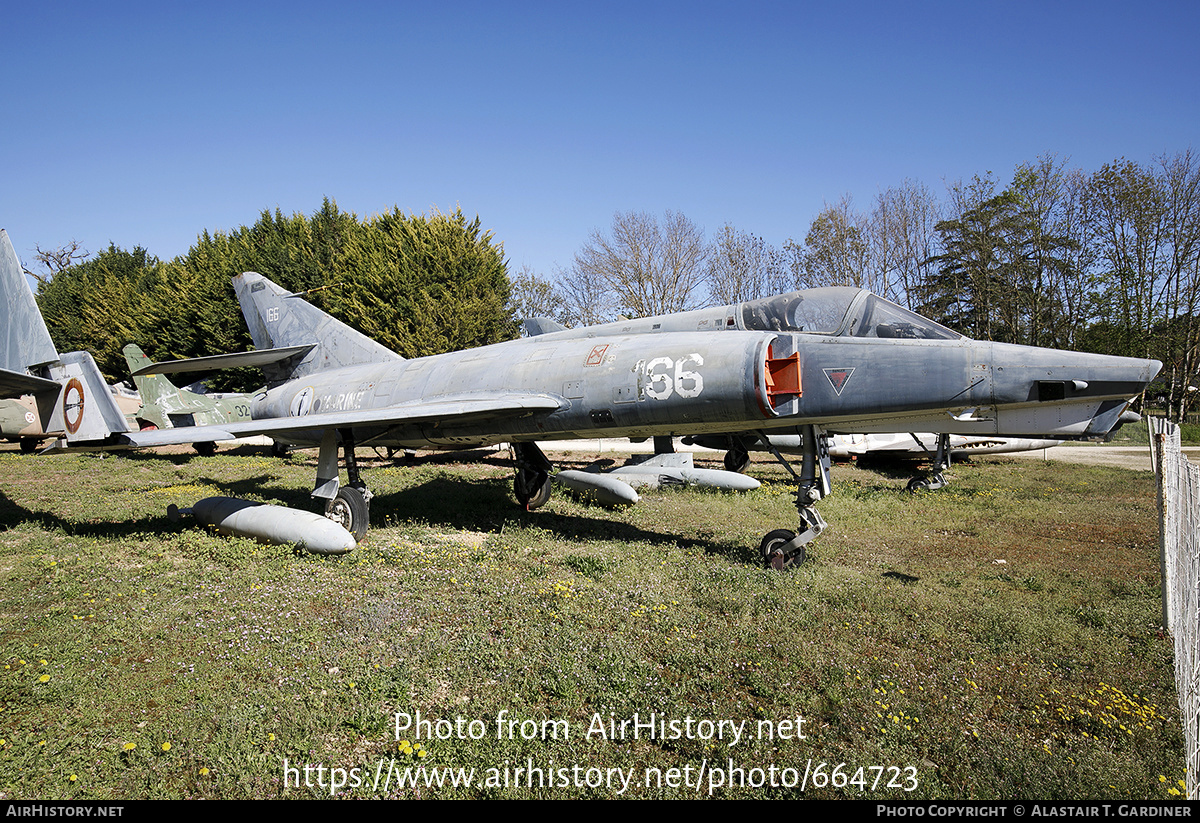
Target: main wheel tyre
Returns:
[[350, 510], [737, 461], [28, 445], [772, 550], [205, 449], [531, 493], [280, 450]]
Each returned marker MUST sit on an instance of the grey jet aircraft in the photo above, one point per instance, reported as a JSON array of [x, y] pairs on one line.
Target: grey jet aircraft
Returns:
[[841, 312], [840, 361]]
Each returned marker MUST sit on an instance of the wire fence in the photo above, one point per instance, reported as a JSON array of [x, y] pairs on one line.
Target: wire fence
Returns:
[[1179, 518]]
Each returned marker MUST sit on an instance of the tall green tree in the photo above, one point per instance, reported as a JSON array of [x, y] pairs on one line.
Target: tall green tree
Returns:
[[424, 285], [97, 305], [194, 311], [836, 249], [296, 251], [975, 281], [418, 284]]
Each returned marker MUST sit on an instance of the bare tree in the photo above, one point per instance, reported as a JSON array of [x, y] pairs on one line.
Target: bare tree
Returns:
[[1056, 251], [1128, 214], [1180, 176], [963, 197], [836, 249], [55, 260], [743, 267], [648, 268], [587, 298], [1146, 224], [791, 263], [903, 239], [535, 296]]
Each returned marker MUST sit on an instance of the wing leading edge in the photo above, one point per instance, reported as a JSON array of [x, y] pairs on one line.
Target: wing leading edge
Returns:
[[507, 405]]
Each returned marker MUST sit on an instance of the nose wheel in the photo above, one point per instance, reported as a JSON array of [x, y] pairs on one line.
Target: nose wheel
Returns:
[[926, 484], [783, 548], [779, 552], [933, 480]]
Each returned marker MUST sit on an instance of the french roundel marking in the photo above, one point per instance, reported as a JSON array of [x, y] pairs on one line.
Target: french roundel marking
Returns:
[[73, 405]]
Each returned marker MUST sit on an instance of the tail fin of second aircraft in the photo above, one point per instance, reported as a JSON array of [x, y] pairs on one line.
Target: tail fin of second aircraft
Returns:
[[279, 319], [153, 388]]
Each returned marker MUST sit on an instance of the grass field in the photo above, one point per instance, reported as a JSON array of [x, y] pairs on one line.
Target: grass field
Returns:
[[997, 639]]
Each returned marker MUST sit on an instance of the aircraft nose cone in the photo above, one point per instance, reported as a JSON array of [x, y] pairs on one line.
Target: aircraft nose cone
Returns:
[[1049, 392]]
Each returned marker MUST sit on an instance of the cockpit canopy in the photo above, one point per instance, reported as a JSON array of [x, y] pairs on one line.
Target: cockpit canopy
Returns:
[[840, 311]]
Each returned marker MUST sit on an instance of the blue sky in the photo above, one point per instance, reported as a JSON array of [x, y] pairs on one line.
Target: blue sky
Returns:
[[147, 123]]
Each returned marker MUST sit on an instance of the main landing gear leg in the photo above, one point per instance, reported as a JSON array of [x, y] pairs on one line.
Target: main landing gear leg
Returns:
[[349, 505], [783, 548], [934, 479], [532, 483], [737, 458], [664, 444]]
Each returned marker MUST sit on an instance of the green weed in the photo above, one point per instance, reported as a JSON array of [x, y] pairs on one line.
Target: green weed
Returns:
[[998, 637]]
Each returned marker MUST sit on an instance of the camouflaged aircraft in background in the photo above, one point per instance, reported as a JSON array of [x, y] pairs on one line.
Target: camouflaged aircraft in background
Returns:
[[166, 406], [19, 423], [841, 360]]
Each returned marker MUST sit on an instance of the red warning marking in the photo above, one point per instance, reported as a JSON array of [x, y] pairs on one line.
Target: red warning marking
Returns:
[[838, 378], [597, 356]]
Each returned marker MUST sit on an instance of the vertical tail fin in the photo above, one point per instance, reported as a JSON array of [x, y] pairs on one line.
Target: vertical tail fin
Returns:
[[153, 388], [25, 344], [86, 410], [279, 319]]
